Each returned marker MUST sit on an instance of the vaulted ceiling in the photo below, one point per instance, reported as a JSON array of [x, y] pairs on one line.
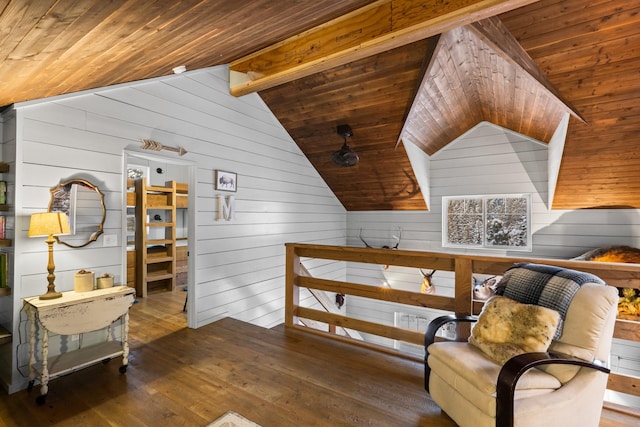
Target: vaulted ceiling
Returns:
[[392, 69]]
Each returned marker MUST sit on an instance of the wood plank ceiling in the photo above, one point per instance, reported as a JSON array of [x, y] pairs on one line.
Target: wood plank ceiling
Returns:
[[373, 96], [583, 54], [51, 47]]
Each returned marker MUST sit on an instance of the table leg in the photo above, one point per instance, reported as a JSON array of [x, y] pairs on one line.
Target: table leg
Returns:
[[32, 345], [125, 343], [44, 376]]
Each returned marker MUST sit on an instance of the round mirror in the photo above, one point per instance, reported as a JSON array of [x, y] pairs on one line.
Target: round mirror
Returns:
[[83, 203]]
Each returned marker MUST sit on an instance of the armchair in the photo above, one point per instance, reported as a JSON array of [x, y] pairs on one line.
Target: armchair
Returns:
[[562, 386]]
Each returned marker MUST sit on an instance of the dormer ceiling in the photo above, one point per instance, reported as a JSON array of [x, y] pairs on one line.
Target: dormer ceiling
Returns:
[[397, 70], [478, 73]]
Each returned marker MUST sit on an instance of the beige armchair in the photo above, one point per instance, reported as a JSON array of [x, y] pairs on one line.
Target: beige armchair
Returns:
[[563, 386]]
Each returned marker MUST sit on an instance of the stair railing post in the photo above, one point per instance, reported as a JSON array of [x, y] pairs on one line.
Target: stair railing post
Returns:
[[292, 291]]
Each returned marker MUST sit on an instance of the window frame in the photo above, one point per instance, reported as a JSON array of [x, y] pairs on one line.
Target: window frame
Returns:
[[474, 231]]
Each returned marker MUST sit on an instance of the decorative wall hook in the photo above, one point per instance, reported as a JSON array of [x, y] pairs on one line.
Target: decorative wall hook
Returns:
[[149, 144]]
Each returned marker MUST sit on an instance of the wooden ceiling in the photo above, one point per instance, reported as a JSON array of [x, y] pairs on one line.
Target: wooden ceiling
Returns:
[[373, 96], [404, 68], [460, 89], [51, 47]]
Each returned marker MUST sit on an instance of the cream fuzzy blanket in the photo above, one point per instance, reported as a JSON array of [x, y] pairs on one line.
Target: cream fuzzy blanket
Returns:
[[507, 328]]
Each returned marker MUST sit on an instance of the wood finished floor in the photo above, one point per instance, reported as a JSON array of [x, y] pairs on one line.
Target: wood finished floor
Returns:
[[183, 377]]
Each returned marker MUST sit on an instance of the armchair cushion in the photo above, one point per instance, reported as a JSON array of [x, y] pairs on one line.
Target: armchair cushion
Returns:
[[507, 328], [588, 328], [475, 376]]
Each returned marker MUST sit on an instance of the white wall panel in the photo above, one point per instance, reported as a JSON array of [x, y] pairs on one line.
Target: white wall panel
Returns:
[[238, 264]]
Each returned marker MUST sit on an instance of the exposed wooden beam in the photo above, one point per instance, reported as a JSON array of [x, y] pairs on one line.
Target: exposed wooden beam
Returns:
[[493, 32], [378, 27]]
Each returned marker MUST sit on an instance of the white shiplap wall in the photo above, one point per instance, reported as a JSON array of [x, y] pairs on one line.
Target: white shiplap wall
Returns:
[[238, 265]]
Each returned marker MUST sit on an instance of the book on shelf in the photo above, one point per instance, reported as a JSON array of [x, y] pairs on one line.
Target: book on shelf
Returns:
[[3, 192], [3, 269]]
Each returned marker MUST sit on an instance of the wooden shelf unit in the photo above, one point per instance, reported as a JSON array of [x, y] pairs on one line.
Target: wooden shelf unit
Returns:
[[155, 255]]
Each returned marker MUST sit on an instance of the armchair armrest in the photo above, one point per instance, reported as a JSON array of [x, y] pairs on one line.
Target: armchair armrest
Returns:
[[430, 337], [517, 366]]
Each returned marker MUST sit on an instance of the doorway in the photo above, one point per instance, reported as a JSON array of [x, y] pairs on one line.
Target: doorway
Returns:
[[167, 299]]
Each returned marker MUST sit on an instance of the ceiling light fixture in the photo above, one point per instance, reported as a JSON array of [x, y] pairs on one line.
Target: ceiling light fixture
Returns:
[[179, 69], [345, 156]]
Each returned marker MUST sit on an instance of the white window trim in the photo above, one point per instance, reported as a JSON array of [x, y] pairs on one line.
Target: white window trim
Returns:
[[484, 245]]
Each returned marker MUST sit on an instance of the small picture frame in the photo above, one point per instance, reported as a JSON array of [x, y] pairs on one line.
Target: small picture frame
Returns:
[[226, 181], [131, 224]]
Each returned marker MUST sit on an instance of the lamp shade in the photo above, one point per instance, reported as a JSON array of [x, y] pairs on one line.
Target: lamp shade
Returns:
[[48, 224]]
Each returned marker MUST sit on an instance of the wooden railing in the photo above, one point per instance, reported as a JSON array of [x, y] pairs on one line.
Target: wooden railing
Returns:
[[463, 266]]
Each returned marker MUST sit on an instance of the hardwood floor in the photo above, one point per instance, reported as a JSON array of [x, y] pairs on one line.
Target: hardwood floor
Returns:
[[184, 377]]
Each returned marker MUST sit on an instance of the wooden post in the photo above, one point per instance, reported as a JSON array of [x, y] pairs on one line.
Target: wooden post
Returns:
[[463, 279], [463, 302], [292, 291]]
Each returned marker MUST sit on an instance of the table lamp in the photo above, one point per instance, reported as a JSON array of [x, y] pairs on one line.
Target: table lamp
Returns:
[[49, 224]]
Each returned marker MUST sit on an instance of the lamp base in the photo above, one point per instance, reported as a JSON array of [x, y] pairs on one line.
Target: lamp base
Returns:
[[51, 295]]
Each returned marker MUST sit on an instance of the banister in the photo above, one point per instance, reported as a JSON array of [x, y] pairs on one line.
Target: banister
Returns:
[[463, 266]]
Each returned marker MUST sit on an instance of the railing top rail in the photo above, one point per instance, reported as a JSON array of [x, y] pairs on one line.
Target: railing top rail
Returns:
[[614, 273]]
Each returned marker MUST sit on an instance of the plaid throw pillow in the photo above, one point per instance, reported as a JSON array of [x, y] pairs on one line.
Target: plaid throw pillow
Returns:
[[544, 285]]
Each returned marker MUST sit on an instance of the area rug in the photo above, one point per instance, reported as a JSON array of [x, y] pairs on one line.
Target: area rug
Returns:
[[232, 419]]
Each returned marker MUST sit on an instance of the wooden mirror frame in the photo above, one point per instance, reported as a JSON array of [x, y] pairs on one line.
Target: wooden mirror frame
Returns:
[[84, 183]]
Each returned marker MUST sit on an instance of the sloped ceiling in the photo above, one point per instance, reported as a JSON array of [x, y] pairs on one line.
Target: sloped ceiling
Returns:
[[373, 96], [586, 51]]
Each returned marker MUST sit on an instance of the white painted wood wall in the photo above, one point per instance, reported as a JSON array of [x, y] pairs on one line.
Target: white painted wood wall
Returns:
[[239, 264]]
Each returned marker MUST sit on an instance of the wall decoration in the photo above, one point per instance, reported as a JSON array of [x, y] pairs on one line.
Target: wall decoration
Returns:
[[490, 222], [226, 181], [226, 208], [135, 172], [150, 144], [131, 224]]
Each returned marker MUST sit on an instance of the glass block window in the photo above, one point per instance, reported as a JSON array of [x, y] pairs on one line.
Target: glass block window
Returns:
[[492, 222]]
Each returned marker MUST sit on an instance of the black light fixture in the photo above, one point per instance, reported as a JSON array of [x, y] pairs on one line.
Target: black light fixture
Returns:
[[345, 156]]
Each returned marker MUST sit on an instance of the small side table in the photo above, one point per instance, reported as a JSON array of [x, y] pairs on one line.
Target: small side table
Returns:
[[77, 313]]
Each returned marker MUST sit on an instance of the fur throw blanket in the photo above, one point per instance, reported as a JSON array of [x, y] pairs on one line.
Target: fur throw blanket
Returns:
[[507, 328], [544, 285]]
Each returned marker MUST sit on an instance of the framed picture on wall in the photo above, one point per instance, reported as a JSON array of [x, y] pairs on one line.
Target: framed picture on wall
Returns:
[[226, 181], [131, 224]]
